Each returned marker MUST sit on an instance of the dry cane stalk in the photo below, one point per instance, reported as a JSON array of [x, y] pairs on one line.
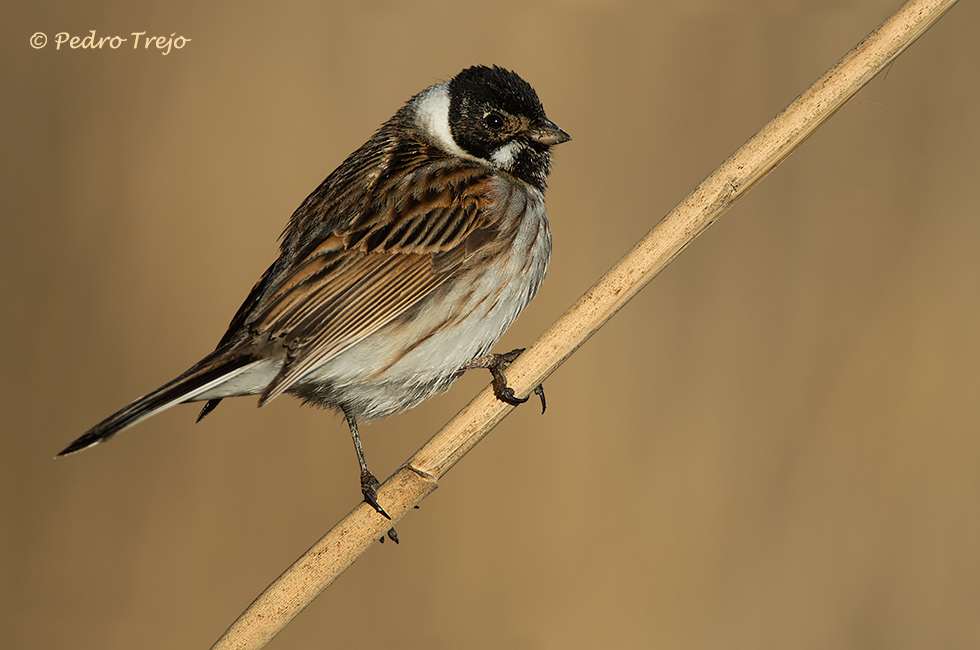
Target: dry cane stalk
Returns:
[[362, 527]]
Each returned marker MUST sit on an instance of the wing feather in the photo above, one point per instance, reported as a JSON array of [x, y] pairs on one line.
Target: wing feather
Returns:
[[404, 239]]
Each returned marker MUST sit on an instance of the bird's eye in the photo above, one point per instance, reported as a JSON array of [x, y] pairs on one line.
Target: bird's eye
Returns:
[[493, 121]]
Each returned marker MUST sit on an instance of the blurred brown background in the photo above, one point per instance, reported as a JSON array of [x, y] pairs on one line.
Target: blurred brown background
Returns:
[[777, 444]]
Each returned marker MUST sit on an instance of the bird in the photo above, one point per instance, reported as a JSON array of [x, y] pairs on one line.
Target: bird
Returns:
[[398, 273]]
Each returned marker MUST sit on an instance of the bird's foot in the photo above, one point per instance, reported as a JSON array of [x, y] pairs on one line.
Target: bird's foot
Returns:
[[496, 363]]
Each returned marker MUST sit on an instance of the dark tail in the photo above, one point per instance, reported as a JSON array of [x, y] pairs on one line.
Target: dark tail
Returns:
[[198, 379]]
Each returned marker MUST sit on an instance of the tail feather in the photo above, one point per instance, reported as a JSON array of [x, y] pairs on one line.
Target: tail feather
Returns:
[[214, 369]]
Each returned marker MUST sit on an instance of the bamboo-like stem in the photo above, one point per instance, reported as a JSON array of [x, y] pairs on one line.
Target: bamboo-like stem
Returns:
[[355, 533]]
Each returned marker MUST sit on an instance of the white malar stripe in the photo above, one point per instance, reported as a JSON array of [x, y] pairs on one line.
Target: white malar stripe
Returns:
[[433, 116], [504, 156]]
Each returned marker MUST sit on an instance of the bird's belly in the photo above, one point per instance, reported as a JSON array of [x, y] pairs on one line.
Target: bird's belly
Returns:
[[421, 352]]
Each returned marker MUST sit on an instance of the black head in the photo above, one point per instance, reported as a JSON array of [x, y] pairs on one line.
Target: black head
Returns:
[[496, 116]]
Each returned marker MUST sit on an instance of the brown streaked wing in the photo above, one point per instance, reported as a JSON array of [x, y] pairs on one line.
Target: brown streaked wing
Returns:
[[353, 283]]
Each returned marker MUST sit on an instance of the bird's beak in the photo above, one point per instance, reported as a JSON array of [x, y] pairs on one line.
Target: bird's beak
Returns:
[[547, 132]]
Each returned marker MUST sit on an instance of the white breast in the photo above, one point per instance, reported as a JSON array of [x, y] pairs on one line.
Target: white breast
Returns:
[[406, 362]]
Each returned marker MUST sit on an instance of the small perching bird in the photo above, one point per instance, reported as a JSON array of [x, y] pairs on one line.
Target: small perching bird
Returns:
[[400, 271]]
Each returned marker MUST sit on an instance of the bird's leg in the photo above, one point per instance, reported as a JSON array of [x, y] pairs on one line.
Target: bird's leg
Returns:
[[496, 363], [369, 484]]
